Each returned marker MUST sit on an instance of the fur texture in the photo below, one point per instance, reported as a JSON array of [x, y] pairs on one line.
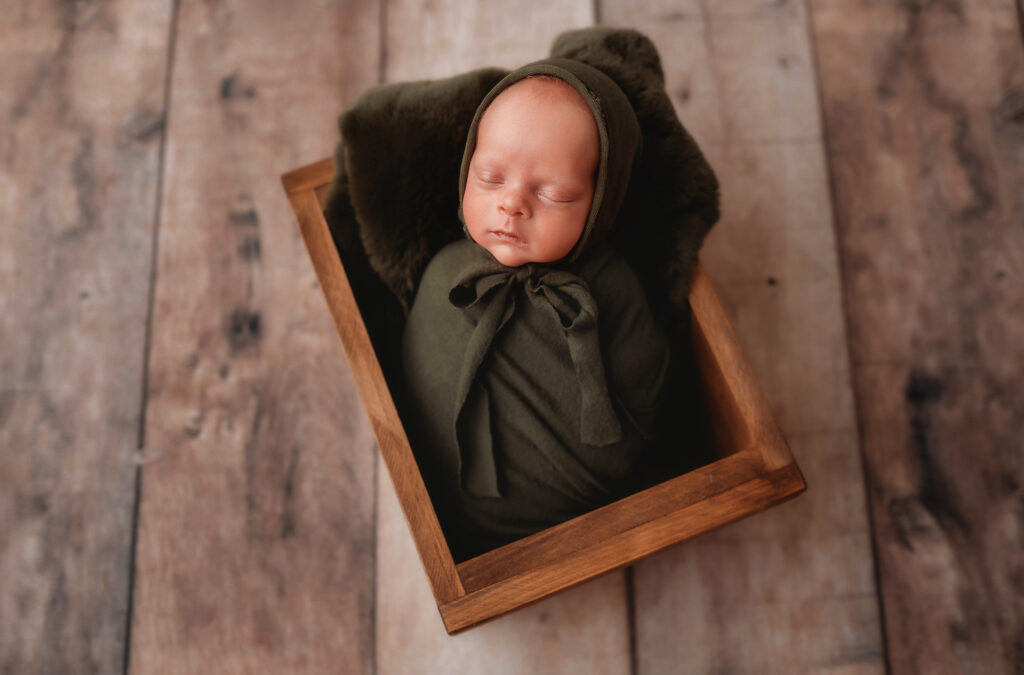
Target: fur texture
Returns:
[[397, 171], [400, 153]]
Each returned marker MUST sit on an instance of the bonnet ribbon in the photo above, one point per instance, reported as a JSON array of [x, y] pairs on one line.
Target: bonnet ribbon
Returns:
[[485, 291]]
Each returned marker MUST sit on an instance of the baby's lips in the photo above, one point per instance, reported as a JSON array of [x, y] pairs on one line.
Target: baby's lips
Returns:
[[508, 235]]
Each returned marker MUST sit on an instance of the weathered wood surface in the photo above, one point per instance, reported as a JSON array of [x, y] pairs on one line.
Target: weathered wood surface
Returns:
[[584, 630], [256, 539], [81, 120], [924, 106], [790, 590], [256, 534]]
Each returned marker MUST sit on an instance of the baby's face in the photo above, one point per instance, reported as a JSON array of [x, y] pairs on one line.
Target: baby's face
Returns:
[[531, 177]]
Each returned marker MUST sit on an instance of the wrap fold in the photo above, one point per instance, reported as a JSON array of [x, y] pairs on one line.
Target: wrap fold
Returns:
[[488, 291]]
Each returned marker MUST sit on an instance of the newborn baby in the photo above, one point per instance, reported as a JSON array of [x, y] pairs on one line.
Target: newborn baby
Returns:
[[532, 360]]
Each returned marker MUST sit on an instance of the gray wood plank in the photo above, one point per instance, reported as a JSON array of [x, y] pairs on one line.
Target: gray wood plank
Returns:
[[790, 590], [256, 540], [923, 106], [585, 629], [81, 120]]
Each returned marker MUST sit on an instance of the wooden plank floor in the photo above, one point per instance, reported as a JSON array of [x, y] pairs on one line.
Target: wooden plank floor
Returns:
[[80, 166], [255, 536], [188, 482], [926, 151]]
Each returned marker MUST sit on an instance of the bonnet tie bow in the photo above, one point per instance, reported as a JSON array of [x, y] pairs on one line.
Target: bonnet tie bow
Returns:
[[486, 292]]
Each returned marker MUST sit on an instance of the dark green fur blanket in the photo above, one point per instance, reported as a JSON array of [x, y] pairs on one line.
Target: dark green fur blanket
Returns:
[[397, 170]]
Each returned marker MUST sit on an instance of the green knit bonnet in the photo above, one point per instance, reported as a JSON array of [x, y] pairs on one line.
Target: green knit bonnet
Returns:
[[618, 132]]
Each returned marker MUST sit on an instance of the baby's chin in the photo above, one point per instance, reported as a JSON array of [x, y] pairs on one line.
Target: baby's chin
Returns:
[[509, 256]]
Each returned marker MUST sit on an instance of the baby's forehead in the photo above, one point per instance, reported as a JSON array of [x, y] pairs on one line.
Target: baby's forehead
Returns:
[[541, 111], [544, 88], [532, 99]]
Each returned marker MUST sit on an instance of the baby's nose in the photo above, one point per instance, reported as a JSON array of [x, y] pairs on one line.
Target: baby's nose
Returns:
[[512, 204]]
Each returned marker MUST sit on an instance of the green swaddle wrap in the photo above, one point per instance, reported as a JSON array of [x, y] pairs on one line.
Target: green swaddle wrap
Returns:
[[534, 390], [489, 293]]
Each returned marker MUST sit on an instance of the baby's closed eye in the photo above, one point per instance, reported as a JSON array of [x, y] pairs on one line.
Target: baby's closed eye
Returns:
[[558, 197], [490, 178]]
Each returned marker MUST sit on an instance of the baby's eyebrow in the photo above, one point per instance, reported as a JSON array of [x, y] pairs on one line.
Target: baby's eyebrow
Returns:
[[486, 157], [563, 184]]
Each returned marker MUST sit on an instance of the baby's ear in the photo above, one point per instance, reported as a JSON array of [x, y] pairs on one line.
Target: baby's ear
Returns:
[[621, 49]]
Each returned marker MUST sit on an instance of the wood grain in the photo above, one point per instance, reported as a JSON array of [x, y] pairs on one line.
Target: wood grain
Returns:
[[924, 106], [256, 540], [441, 38], [791, 590], [79, 161], [549, 546], [624, 547]]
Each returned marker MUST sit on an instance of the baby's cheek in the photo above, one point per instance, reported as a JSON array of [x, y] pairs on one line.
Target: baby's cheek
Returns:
[[561, 238], [472, 213]]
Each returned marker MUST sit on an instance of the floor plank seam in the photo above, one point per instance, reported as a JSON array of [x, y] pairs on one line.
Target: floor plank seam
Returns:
[[382, 54], [1020, 20], [382, 71], [630, 581], [172, 34], [373, 576]]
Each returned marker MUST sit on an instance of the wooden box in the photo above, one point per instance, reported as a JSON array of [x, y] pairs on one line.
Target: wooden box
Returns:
[[754, 469]]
